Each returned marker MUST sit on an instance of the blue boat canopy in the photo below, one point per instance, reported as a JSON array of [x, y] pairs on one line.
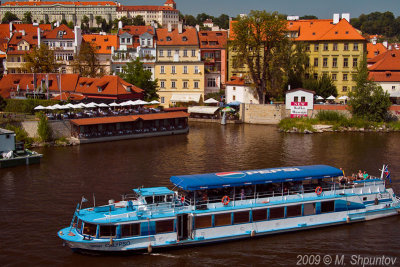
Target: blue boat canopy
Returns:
[[156, 191], [264, 176]]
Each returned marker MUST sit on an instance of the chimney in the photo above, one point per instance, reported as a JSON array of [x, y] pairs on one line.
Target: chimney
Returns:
[[11, 29], [22, 32], [374, 41], [385, 44], [336, 18], [198, 27], [180, 27], [38, 37], [78, 38], [120, 25], [169, 27], [346, 16]]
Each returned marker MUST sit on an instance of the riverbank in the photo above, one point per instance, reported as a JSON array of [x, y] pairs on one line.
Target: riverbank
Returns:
[[308, 125]]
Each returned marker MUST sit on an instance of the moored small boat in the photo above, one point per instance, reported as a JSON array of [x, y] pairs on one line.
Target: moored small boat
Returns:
[[216, 207]]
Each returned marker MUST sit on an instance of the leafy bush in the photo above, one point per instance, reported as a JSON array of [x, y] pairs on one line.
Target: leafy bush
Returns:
[[44, 130], [20, 134], [301, 124], [331, 116], [26, 106]]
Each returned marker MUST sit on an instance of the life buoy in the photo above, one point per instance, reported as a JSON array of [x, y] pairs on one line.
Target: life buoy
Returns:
[[225, 200], [182, 200], [318, 190]]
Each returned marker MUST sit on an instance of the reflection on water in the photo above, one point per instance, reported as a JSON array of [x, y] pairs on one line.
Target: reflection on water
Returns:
[[36, 201]]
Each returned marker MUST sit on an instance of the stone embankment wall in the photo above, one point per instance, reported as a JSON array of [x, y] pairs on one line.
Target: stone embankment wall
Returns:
[[59, 128], [262, 114]]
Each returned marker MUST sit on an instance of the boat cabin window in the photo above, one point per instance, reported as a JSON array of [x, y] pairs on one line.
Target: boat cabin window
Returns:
[[159, 199], [259, 215], [89, 229], [203, 221], [149, 200], [309, 209], [276, 213], [327, 206], [293, 211], [222, 219], [241, 217], [107, 230], [128, 230], [164, 226]]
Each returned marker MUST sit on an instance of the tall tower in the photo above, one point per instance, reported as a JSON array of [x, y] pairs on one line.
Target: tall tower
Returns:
[[170, 3]]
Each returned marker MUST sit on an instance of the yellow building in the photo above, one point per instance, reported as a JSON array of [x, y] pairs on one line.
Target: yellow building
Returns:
[[179, 69], [335, 48]]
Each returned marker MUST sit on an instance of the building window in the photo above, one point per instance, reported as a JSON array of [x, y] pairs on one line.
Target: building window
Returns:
[[162, 84], [233, 97], [325, 62], [193, 53], [316, 62], [185, 84], [173, 84], [316, 76], [307, 47], [173, 70], [334, 62], [316, 47], [196, 69], [161, 53], [326, 47], [345, 77], [162, 100], [355, 46], [162, 70], [234, 88], [185, 54], [335, 47], [169, 53], [303, 99], [344, 89], [196, 84], [345, 62], [334, 77], [185, 69], [346, 47], [211, 82], [355, 62]]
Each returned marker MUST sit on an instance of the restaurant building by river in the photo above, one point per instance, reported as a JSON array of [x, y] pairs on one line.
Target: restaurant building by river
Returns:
[[101, 129]]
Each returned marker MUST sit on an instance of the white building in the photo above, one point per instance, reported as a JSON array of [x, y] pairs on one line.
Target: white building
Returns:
[[238, 90], [164, 15], [299, 101], [389, 81]]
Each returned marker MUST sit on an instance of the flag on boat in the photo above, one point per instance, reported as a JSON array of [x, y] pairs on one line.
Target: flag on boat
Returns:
[[84, 199], [387, 174]]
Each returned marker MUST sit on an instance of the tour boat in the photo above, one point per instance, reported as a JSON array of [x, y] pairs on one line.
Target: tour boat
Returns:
[[209, 208]]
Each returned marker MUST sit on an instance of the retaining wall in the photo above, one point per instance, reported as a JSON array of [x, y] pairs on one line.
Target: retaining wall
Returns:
[[59, 128]]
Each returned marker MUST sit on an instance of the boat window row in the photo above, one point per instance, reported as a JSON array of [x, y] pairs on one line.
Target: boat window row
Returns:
[[206, 221]]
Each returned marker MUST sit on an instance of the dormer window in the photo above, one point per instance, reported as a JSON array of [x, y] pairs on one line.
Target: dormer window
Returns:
[[169, 38], [99, 89], [184, 38], [129, 88]]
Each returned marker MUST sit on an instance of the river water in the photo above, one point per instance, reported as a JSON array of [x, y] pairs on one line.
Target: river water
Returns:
[[36, 201]]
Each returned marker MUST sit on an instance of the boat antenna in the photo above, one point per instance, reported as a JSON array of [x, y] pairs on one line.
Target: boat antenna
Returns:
[[94, 200]]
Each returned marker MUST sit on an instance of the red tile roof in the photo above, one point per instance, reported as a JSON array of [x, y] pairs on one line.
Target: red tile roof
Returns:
[[388, 61], [145, 8], [102, 43], [110, 85], [31, 27], [99, 3], [207, 38], [53, 34], [131, 118], [324, 30], [138, 30], [187, 37], [375, 50], [384, 76], [236, 81]]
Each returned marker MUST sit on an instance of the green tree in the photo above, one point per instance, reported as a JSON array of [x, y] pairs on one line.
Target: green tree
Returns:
[[202, 17], [294, 62], [378, 23], [40, 60], [222, 21], [86, 62], [126, 21], [138, 21], [190, 20], [27, 18], [64, 21], [259, 41], [44, 130], [368, 100], [134, 73], [323, 86], [71, 25], [8, 17], [99, 20], [85, 23]]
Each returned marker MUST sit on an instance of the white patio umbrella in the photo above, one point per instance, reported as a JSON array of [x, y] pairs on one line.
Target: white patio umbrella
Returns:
[[114, 104], [79, 106], [69, 105], [320, 98], [51, 108], [154, 102], [56, 106], [344, 97], [102, 105], [141, 102], [211, 101], [91, 105], [39, 108], [331, 98], [63, 107]]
